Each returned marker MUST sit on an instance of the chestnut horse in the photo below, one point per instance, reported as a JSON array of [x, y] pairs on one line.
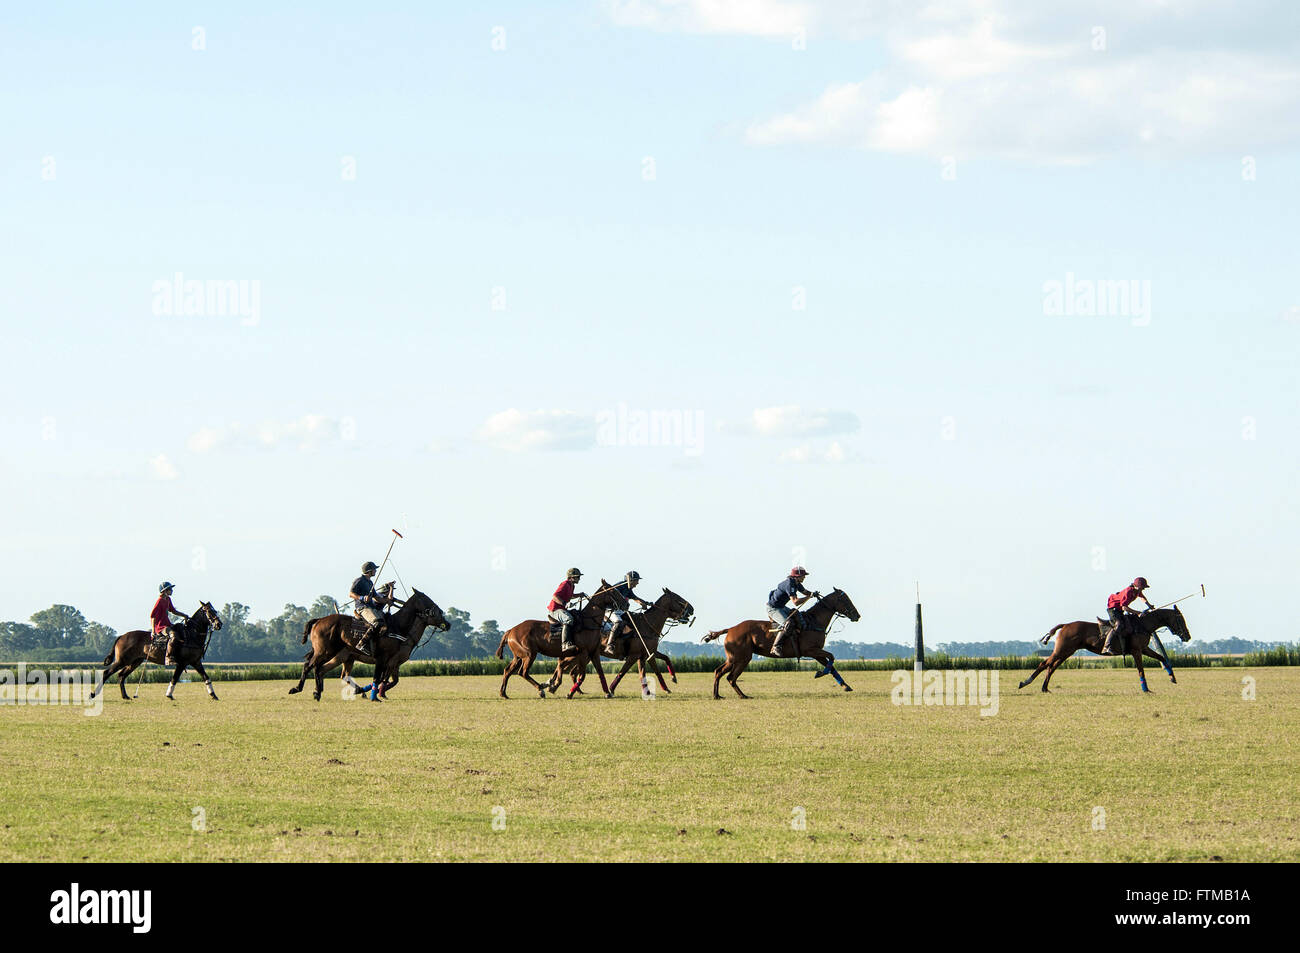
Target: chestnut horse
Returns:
[[646, 629], [1072, 636], [532, 638], [134, 647], [331, 644], [755, 637]]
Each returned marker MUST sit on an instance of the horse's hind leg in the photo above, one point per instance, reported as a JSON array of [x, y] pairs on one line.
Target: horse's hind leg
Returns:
[[124, 674], [1034, 674], [511, 668], [1053, 664], [306, 667], [737, 669], [718, 672], [669, 664], [528, 663]]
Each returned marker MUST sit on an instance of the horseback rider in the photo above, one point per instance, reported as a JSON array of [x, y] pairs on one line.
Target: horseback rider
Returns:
[[557, 610], [160, 618], [1117, 607], [790, 590], [617, 617], [369, 603]]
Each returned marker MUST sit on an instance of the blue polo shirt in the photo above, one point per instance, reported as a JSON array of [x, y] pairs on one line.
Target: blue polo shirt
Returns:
[[789, 588], [363, 587]]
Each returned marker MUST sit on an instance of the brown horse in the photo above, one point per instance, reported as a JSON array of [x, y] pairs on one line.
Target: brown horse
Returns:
[[645, 630], [134, 647], [532, 638], [332, 644], [1072, 636], [756, 636]]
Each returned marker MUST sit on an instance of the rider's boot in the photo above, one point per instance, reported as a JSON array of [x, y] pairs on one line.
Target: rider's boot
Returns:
[[610, 646], [169, 657], [566, 640], [364, 644], [779, 645]]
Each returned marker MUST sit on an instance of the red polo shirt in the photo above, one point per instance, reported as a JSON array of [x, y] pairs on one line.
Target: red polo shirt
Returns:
[[159, 614], [1123, 598], [562, 596]]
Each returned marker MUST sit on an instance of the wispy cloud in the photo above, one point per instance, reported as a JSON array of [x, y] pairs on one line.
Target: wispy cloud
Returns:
[[1061, 82], [162, 468], [794, 421], [834, 453], [520, 431], [308, 432]]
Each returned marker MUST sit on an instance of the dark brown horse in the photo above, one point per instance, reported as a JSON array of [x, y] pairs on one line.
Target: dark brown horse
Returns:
[[134, 647], [333, 643], [1072, 636], [755, 637], [532, 638], [644, 631]]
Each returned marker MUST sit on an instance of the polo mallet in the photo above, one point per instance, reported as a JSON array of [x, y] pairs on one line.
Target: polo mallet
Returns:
[[144, 666], [396, 537], [1184, 598]]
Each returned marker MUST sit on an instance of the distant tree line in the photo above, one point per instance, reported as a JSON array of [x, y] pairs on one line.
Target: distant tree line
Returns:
[[62, 634]]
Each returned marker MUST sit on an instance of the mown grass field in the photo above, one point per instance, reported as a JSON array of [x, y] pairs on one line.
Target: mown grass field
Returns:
[[1193, 772]]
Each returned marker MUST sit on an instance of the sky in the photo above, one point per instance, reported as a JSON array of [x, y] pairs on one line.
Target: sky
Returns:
[[994, 297]]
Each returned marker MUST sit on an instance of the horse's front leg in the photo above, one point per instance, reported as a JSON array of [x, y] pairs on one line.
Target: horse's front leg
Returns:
[[1163, 661], [1142, 675]]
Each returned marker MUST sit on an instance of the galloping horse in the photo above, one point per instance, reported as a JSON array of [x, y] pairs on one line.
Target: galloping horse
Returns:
[[1072, 636], [330, 646], [647, 627], [532, 638], [132, 648], [755, 637]]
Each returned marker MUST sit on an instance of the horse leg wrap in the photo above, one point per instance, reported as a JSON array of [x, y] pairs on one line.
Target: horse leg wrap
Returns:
[[835, 674]]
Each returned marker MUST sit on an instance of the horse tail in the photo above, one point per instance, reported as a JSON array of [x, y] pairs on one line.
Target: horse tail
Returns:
[[713, 635], [501, 647], [111, 652], [1051, 632], [306, 630]]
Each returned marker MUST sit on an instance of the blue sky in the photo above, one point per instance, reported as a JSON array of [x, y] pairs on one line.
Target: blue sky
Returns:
[[860, 334]]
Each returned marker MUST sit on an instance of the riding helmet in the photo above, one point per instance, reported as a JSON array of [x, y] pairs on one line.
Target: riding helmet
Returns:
[[164, 587], [1140, 582], [575, 574], [369, 567]]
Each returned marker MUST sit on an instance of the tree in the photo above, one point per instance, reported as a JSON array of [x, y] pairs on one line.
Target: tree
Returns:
[[59, 626], [16, 639], [99, 637]]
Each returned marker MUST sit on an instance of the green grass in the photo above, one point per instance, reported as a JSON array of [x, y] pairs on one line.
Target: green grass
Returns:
[[1193, 772]]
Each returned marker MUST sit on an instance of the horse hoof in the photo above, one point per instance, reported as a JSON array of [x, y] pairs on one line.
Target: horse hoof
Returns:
[[316, 696], [294, 691], [609, 694], [847, 689]]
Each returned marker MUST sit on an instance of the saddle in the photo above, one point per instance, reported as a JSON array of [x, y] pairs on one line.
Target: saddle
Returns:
[[360, 626], [774, 627]]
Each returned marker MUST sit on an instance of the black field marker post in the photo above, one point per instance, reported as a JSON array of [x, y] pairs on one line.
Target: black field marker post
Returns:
[[920, 640]]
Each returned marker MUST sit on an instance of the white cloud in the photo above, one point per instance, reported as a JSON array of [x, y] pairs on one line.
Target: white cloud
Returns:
[[794, 421], [1022, 79], [162, 468], [519, 431], [308, 432], [835, 453]]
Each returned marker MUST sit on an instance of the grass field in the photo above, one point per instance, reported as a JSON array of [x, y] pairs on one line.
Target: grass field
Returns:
[[1193, 772]]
